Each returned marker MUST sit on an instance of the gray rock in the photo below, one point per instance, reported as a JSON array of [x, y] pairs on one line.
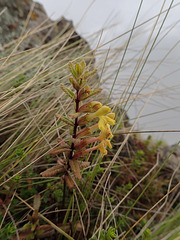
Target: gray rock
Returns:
[[19, 17], [173, 162]]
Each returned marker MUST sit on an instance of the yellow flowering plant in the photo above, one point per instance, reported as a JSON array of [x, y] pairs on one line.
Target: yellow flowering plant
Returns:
[[91, 122]]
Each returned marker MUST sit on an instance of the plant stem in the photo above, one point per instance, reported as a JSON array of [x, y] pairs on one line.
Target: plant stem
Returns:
[[72, 145], [75, 126], [74, 136]]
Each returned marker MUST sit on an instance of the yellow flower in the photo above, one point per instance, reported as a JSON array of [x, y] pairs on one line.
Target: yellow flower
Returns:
[[104, 117], [100, 112], [106, 134], [102, 146], [102, 149], [104, 122]]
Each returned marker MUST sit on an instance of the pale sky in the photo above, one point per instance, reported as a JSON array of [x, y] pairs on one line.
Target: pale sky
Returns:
[[89, 16], [100, 13]]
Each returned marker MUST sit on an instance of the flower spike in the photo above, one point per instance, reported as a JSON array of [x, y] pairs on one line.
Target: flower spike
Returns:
[[90, 123]]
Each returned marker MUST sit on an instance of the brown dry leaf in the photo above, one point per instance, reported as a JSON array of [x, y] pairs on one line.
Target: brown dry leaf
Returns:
[[59, 150], [69, 181], [75, 168], [53, 171]]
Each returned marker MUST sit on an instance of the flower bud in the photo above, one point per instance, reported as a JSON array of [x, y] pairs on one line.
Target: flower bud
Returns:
[[90, 107]]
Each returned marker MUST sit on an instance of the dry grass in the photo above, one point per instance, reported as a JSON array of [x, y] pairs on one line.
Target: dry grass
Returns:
[[119, 190]]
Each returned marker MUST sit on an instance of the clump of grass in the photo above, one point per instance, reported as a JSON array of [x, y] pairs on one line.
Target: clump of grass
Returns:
[[30, 98]]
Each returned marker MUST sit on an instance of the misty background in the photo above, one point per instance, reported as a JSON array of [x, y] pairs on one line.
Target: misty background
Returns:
[[102, 21]]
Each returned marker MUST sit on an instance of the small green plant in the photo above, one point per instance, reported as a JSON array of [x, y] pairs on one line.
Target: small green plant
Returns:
[[147, 235], [32, 228], [7, 230], [106, 235]]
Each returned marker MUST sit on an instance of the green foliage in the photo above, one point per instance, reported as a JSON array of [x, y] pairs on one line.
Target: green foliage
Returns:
[[53, 192], [17, 179], [124, 189], [106, 235], [147, 235], [58, 195], [7, 231]]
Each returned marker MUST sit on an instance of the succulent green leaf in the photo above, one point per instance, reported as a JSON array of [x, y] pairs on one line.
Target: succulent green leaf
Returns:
[[71, 68], [67, 91], [78, 69], [83, 65], [87, 74], [74, 83]]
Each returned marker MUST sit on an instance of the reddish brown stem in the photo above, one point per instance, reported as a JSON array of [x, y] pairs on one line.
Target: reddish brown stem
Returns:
[[75, 126]]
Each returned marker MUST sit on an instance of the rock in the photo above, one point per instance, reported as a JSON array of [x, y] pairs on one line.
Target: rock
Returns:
[[173, 162], [19, 17], [24, 25]]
